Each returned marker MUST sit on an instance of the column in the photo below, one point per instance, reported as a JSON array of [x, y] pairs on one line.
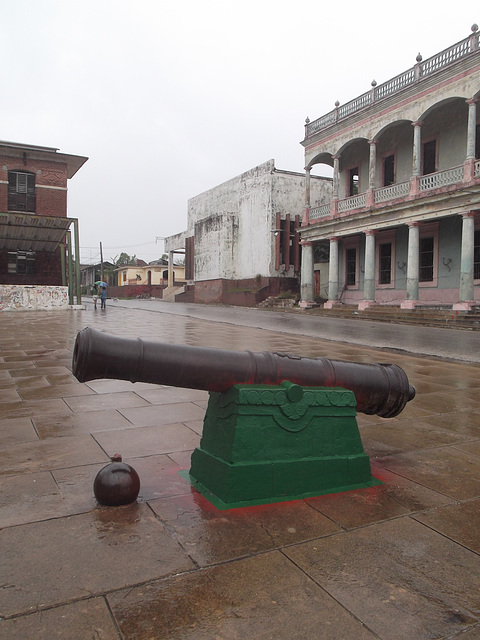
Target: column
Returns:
[[307, 186], [372, 167], [469, 164], [336, 180], [307, 293], [412, 266], [466, 292], [417, 148], [170, 268], [306, 209], [369, 275], [336, 176], [332, 274], [472, 121]]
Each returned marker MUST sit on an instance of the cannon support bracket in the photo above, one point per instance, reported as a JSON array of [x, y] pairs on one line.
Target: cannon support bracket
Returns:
[[263, 444]]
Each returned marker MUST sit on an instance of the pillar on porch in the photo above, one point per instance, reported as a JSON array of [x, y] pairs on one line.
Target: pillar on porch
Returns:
[[370, 195], [170, 268], [332, 275], [307, 292], [466, 291], [369, 275], [412, 266]]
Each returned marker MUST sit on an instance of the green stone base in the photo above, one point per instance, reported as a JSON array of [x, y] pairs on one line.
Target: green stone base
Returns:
[[264, 444]]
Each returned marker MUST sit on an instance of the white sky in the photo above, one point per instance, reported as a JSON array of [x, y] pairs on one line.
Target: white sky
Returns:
[[170, 98]]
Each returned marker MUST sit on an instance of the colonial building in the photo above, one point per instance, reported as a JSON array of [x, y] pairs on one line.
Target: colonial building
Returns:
[[37, 267], [242, 240], [402, 226], [153, 273]]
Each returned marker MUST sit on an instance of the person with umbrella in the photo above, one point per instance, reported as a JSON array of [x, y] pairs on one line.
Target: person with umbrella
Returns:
[[103, 294]]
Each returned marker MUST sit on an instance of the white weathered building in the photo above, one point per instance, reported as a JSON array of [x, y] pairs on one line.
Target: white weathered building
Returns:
[[403, 224], [243, 235]]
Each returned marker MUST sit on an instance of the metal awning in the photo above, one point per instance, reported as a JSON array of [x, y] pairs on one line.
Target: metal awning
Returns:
[[29, 232]]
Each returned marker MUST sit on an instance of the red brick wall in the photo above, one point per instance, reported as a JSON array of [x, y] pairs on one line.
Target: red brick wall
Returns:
[[50, 183], [48, 270]]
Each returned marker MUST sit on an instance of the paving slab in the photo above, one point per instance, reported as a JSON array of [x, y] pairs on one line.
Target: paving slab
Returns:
[[393, 577], [262, 597], [81, 620], [349, 565], [78, 557]]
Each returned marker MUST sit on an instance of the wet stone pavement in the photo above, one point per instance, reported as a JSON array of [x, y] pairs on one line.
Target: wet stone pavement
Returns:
[[398, 561]]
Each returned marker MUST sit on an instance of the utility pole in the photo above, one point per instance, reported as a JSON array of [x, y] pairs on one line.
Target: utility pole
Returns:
[[101, 263]]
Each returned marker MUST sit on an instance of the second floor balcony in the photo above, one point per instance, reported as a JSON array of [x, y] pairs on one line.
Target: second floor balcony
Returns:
[[417, 188]]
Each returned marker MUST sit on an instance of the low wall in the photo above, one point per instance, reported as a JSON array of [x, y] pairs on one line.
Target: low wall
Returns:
[[134, 290], [30, 297], [243, 293]]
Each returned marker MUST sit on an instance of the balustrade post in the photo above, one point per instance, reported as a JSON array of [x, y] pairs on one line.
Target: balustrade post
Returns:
[[474, 38]]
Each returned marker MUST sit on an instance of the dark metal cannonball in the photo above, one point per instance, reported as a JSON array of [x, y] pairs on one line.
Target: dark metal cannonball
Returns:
[[116, 484]]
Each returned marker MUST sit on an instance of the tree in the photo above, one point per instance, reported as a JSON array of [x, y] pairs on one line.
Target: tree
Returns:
[[124, 260]]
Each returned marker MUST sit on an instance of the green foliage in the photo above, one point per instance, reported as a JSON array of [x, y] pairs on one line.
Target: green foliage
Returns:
[[124, 260]]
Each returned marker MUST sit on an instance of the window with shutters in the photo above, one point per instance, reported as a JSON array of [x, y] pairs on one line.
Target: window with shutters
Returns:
[[22, 262], [21, 191], [426, 259]]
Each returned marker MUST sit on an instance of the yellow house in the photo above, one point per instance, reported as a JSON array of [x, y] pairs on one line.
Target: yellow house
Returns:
[[149, 274]]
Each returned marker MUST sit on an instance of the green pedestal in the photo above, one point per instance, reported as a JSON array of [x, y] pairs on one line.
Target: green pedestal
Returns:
[[264, 444]]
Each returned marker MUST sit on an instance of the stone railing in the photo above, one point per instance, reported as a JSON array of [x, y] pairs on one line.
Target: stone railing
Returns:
[[392, 191], [319, 212], [355, 202], [419, 71], [455, 175], [441, 178]]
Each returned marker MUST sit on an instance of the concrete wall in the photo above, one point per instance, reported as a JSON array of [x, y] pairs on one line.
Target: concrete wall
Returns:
[[32, 298], [233, 222]]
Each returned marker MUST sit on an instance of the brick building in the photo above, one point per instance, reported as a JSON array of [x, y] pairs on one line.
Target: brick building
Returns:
[[36, 253]]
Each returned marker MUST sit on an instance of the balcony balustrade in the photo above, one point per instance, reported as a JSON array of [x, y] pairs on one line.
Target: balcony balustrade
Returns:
[[421, 70], [441, 179], [384, 195]]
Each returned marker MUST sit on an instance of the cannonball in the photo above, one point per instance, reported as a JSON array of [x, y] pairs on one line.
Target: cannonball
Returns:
[[116, 484]]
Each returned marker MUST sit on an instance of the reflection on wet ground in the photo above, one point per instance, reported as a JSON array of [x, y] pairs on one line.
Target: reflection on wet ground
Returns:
[[395, 561]]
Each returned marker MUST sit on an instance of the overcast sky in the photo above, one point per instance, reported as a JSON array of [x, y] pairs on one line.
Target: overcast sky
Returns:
[[168, 98]]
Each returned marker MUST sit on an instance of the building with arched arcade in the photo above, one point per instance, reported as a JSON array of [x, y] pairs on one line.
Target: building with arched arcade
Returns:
[[402, 226]]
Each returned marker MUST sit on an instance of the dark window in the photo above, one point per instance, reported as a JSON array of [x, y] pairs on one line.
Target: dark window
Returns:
[[385, 263], [21, 191], [429, 157], [426, 259], [388, 170], [351, 267], [353, 182], [21, 262], [477, 141], [476, 255]]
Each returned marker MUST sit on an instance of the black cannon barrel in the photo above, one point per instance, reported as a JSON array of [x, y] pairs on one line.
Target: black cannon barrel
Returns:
[[381, 389]]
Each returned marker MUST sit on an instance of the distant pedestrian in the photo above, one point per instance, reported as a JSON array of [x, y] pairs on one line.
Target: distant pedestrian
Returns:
[[103, 297], [95, 295]]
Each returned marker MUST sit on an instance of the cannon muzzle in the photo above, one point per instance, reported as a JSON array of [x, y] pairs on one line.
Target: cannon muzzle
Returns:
[[381, 389]]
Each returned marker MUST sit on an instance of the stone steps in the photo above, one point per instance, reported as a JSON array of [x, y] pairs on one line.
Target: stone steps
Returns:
[[426, 316]]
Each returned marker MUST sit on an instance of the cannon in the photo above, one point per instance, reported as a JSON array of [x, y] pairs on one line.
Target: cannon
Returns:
[[381, 389]]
